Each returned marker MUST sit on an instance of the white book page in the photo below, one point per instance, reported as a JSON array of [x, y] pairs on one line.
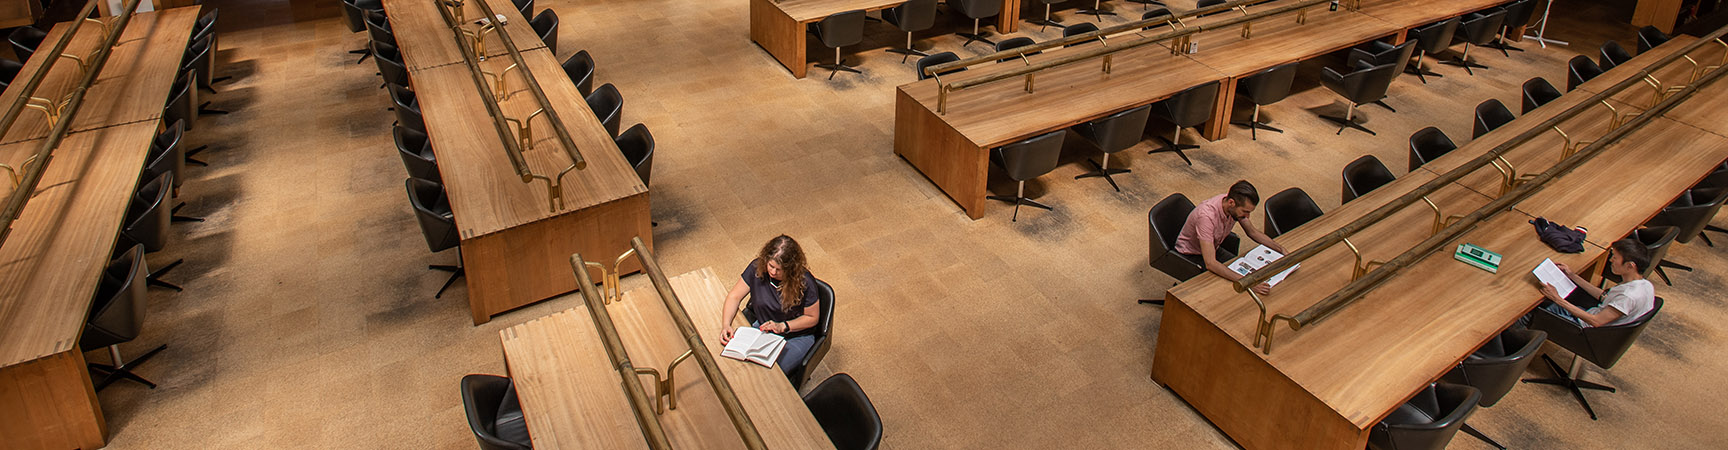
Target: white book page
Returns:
[[742, 342], [1549, 273], [1259, 257]]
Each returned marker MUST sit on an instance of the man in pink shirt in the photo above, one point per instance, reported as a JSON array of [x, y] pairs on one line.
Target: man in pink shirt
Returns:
[[1212, 221]]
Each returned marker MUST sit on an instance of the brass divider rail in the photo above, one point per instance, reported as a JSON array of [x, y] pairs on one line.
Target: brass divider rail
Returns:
[[1360, 285], [646, 415], [523, 136], [1177, 37], [60, 114]]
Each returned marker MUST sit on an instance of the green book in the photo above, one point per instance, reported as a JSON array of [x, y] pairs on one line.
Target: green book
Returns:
[[1479, 257]]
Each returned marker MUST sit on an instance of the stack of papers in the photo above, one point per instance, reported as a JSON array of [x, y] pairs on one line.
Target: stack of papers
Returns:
[[1260, 257], [1550, 274], [751, 344]]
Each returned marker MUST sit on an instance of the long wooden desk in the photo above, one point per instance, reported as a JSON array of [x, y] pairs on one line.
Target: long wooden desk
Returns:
[[515, 248], [425, 40], [571, 397], [133, 86], [1414, 13], [779, 26]]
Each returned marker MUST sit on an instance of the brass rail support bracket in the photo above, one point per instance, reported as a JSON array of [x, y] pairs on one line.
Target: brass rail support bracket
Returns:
[[107, 28], [1571, 146], [1441, 220], [1509, 177], [1029, 78], [1107, 59], [610, 290], [665, 391], [1617, 119], [1361, 268]]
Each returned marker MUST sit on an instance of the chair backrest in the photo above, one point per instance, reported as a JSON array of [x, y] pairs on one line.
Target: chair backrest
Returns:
[[1118, 131], [390, 65], [939, 58], [1437, 36], [1032, 157], [1383, 53], [1079, 29], [148, 217], [1602, 346], [180, 108], [1491, 114], [1497, 365], [977, 9], [845, 413], [378, 27], [546, 25], [407, 108], [608, 106], [482, 395], [1481, 27], [1206, 3], [1288, 209], [117, 310], [9, 71], [25, 39], [580, 68], [1428, 420], [1364, 175], [637, 144], [1519, 13], [166, 154], [1692, 211], [356, 18], [526, 7], [1655, 240], [1427, 144], [206, 24], [1363, 85], [1538, 92], [1268, 86], [841, 29], [1189, 108], [915, 15], [1613, 55], [416, 152], [1579, 70], [1649, 37], [432, 208], [823, 329], [1165, 222], [1013, 43], [199, 56], [1153, 12]]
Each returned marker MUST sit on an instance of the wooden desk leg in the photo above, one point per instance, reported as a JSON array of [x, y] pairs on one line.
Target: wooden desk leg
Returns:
[[1009, 20], [777, 33], [50, 403], [1219, 126], [953, 163], [1400, 37]]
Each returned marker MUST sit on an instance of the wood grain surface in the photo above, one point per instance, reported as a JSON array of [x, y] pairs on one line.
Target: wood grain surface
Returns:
[[133, 85], [425, 39]]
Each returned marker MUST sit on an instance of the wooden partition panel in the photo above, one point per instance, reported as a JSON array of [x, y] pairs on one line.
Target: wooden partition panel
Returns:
[[49, 403]]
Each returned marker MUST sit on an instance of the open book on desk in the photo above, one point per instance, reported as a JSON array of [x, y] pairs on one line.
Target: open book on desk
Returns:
[[751, 344], [1548, 273], [1260, 257]]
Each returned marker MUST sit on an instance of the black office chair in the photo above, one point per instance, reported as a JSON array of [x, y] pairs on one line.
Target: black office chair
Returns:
[[437, 223], [1477, 29], [1602, 346], [356, 23], [1426, 422], [1427, 144], [167, 156], [1518, 14], [407, 108], [1164, 223], [1364, 175], [608, 106], [1431, 40], [1189, 108], [1495, 367], [9, 71], [1613, 55], [976, 10], [910, 17], [117, 316], [1289, 209], [1579, 70], [1649, 37], [416, 152], [1013, 43], [1111, 134], [1025, 160], [1366, 84], [199, 55], [1207, 3], [1692, 212], [1097, 10], [845, 413], [1147, 4], [799, 373], [1078, 29], [1538, 92], [25, 39], [939, 58], [205, 28], [1264, 88], [637, 144], [1378, 53], [495, 413], [1655, 241], [526, 7], [180, 110], [146, 224], [390, 65], [1047, 22], [378, 27], [545, 24], [1150, 13], [1491, 114], [580, 68], [836, 31]]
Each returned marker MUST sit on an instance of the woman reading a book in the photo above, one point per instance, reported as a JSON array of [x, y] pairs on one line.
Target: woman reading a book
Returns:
[[782, 299]]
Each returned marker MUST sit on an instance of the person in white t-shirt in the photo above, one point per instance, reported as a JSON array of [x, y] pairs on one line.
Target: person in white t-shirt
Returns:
[[1623, 303]]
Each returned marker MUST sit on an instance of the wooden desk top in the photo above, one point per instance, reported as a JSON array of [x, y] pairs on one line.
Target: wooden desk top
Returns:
[[571, 398], [1281, 40], [1533, 156], [805, 11], [1001, 112], [133, 85], [426, 41], [1415, 13], [50, 265], [1630, 181], [485, 192], [1675, 72]]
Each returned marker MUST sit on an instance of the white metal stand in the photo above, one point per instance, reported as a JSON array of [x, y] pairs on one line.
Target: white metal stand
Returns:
[[1542, 31]]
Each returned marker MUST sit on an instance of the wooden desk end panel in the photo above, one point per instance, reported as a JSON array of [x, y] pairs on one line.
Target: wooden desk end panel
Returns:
[[17, 13], [1009, 20], [777, 33], [50, 403], [960, 168], [529, 263], [1219, 126], [1239, 392]]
